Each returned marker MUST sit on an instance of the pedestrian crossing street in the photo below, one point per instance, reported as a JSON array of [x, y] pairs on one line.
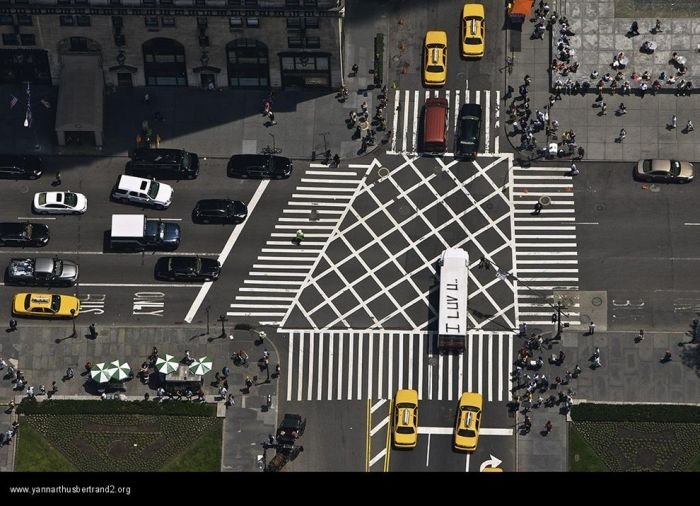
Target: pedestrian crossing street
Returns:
[[545, 245], [407, 109], [316, 205], [357, 365]]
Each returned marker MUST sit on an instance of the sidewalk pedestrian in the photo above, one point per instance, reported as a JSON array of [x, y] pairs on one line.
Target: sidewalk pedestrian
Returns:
[[355, 68], [269, 400], [604, 109], [146, 98], [93, 332], [689, 126], [634, 29], [674, 121], [225, 371], [57, 179], [640, 337], [538, 208], [574, 170], [657, 27], [622, 109], [70, 373], [13, 325], [623, 134], [591, 328], [667, 356], [336, 160], [271, 117], [299, 236], [54, 388], [548, 427]]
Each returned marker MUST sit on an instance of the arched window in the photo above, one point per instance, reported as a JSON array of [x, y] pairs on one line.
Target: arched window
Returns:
[[248, 64], [164, 63]]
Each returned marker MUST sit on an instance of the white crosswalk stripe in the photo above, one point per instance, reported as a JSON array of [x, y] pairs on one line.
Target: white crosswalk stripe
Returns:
[[361, 364], [408, 105], [545, 244], [315, 207]]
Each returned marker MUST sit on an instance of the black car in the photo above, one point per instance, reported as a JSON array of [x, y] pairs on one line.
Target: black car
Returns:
[[276, 167], [20, 167], [24, 234], [219, 211], [188, 269], [469, 131], [163, 164]]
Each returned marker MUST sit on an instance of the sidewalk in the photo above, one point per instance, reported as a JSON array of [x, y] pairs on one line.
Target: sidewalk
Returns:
[[647, 119], [42, 361]]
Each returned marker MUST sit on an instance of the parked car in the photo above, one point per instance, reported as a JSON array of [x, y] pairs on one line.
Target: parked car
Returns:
[[187, 268], [469, 131], [664, 171], [435, 60], [219, 211], [42, 271], [24, 234], [45, 305], [59, 203], [473, 31], [20, 167], [276, 167], [145, 192]]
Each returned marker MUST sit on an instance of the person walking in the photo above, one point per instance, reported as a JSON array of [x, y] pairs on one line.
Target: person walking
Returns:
[[657, 27], [355, 68], [538, 208], [57, 180], [299, 236], [574, 170], [93, 332], [634, 29], [674, 121], [13, 325], [271, 117], [70, 373], [640, 337], [622, 109], [591, 328], [667, 356], [604, 109], [548, 427], [336, 160], [689, 126], [623, 134]]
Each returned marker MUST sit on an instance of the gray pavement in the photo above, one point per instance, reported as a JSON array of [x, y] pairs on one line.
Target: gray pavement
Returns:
[[600, 37], [42, 360]]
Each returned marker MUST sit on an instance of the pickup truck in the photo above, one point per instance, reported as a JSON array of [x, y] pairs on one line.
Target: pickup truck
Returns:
[[135, 232], [42, 271]]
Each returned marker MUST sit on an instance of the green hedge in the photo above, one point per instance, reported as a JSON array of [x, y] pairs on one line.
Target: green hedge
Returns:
[[98, 407], [378, 59], [635, 413]]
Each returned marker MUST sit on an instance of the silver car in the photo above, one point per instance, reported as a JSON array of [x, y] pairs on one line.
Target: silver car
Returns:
[[664, 171]]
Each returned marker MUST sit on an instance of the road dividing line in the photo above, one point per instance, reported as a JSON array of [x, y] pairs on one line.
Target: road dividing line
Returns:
[[310, 385], [380, 362], [370, 358], [390, 367], [399, 384], [469, 364], [489, 343], [420, 366], [449, 376], [235, 233], [480, 365]]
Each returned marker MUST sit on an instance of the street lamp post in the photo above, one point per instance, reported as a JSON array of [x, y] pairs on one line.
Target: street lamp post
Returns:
[[207, 310], [75, 332], [274, 147], [223, 319]]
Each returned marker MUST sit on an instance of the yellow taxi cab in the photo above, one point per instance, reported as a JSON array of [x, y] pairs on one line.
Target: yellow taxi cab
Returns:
[[406, 419], [468, 421], [45, 305], [473, 31], [435, 65]]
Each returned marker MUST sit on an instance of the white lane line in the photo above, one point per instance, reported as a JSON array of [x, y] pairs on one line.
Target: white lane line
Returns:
[[427, 452], [397, 96], [36, 218], [596, 223], [310, 384], [480, 365], [440, 379], [470, 371], [487, 130], [448, 431], [351, 352], [496, 432], [420, 366], [379, 426], [497, 122], [500, 367], [245, 297], [143, 285], [370, 364], [235, 233], [404, 127], [390, 368], [339, 387], [290, 357], [319, 377], [415, 121], [489, 343], [449, 376], [380, 362], [300, 367], [510, 358], [460, 374], [689, 224], [329, 173], [429, 385], [330, 367], [377, 405]]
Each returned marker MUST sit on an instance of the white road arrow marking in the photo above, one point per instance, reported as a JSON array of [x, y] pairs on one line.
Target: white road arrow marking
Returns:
[[492, 462]]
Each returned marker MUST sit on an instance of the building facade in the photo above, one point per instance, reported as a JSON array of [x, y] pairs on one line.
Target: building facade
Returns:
[[197, 43]]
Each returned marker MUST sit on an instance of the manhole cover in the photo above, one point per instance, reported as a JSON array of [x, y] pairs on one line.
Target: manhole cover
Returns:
[[546, 201], [383, 172], [597, 301], [654, 188]]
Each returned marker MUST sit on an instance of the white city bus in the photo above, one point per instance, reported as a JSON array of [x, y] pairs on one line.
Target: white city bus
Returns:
[[452, 318]]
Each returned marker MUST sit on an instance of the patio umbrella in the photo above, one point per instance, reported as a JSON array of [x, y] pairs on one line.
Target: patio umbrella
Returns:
[[200, 366], [121, 370], [102, 372], [167, 365]]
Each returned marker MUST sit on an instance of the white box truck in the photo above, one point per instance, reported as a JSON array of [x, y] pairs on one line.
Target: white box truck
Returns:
[[452, 318], [135, 232]]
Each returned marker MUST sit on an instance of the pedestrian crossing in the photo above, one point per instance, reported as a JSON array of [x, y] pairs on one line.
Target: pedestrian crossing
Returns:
[[360, 364], [545, 244], [408, 106], [316, 205]]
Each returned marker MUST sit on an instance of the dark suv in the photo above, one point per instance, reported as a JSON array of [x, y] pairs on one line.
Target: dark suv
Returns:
[[163, 164], [469, 131], [20, 167], [276, 167], [24, 234]]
